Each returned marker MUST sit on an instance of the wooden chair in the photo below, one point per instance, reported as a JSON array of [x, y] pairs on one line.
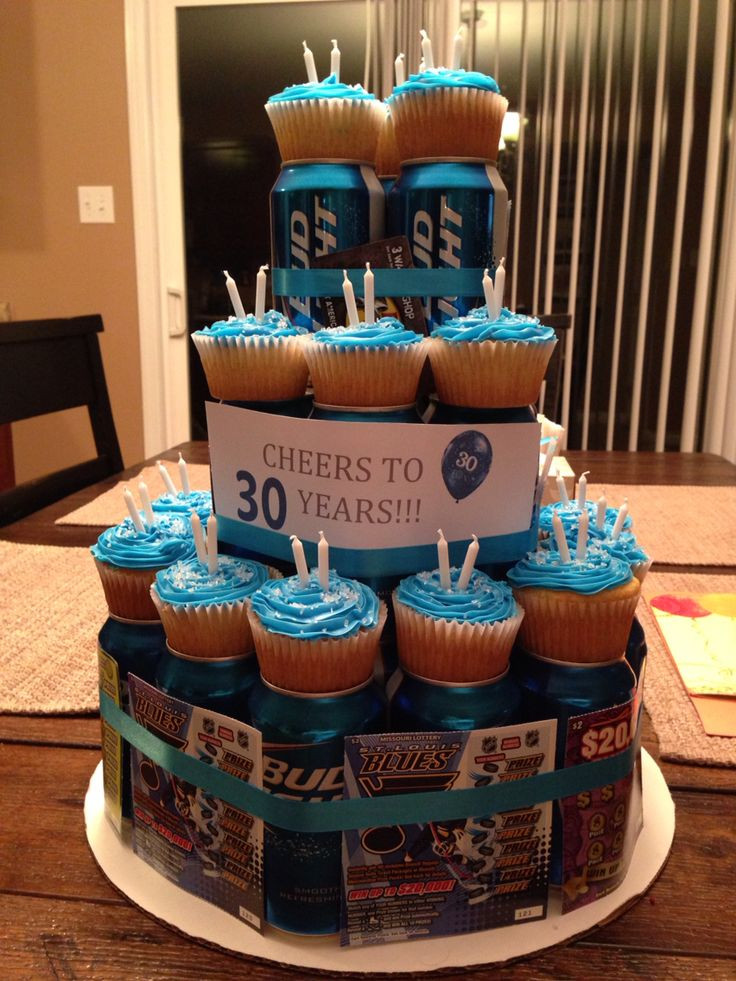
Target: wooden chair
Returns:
[[46, 366]]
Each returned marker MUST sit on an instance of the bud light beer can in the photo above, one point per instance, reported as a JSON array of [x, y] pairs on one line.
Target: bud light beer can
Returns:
[[221, 684], [303, 754], [636, 649], [455, 214], [349, 413], [422, 705], [123, 647], [319, 207], [565, 691]]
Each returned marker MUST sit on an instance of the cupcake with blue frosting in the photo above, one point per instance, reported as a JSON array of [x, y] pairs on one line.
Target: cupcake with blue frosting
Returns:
[[577, 609], [326, 120], [495, 360], [253, 359], [203, 610], [366, 365], [311, 637], [456, 634], [448, 112], [128, 557]]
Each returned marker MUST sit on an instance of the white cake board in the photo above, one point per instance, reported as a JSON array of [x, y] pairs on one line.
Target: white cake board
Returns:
[[202, 921]]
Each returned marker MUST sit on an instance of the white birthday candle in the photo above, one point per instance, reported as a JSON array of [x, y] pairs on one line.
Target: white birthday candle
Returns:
[[323, 561], [399, 69], [133, 510], [349, 294], [212, 544], [499, 285], [488, 293], [261, 293], [559, 533], [146, 502], [168, 482], [458, 48], [583, 489], [300, 561], [234, 295], [198, 534], [620, 519], [335, 60], [427, 50], [561, 489], [468, 564], [369, 295], [309, 62], [600, 514], [443, 561], [548, 458], [184, 475], [582, 546]]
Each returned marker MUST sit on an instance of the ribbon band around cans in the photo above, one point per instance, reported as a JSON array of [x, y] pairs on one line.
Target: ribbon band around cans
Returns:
[[387, 282], [345, 815]]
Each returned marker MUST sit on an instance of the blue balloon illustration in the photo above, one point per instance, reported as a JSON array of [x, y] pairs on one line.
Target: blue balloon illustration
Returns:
[[466, 463]]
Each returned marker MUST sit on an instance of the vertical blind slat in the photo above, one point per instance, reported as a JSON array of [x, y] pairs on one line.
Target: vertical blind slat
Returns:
[[520, 152]]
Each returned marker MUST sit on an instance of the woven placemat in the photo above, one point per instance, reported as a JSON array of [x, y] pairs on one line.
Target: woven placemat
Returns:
[[677, 724], [50, 621], [109, 508], [678, 525]]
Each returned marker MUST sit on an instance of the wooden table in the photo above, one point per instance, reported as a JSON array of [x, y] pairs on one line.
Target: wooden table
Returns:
[[62, 919]]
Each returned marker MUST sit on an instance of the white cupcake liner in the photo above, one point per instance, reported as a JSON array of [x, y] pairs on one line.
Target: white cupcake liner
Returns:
[[209, 630], [489, 374], [327, 129], [448, 122], [453, 651], [127, 591], [640, 569], [324, 665], [365, 376], [565, 626], [253, 369]]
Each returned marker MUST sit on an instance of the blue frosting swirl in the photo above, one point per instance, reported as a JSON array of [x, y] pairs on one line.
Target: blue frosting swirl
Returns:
[[273, 324], [456, 78], [544, 569], [570, 515], [625, 547], [199, 501], [476, 326], [126, 547], [483, 601], [386, 332], [310, 612], [329, 88], [189, 582]]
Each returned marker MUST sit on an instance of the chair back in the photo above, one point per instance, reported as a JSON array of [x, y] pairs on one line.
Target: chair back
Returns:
[[46, 366]]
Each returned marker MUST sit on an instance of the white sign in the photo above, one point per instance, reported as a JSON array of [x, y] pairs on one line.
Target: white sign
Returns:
[[370, 486]]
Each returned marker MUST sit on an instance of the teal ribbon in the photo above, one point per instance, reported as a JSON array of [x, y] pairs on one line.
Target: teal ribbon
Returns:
[[445, 281], [345, 815]]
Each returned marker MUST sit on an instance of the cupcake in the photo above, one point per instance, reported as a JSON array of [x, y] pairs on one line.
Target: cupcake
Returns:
[[312, 639], [204, 613], [251, 359], [486, 362], [326, 120], [455, 635], [579, 610], [569, 513], [448, 112], [127, 561], [369, 364]]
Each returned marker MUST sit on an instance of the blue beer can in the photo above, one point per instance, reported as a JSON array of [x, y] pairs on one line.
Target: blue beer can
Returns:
[[123, 647], [562, 690], [220, 684], [303, 753], [636, 648], [421, 705], [349, 413], [319, 207], [297, 408], [455, 214]]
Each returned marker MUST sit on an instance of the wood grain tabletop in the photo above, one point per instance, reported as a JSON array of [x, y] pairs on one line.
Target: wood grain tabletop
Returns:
[[61, 918]]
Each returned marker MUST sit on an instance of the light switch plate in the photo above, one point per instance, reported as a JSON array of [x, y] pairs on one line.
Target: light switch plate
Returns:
[[96, 205]]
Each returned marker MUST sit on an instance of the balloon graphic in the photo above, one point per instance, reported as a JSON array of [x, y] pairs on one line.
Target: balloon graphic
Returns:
[[465, 463]]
